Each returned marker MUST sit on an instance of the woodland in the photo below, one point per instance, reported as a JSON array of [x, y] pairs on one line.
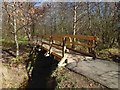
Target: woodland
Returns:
[[21, 21]]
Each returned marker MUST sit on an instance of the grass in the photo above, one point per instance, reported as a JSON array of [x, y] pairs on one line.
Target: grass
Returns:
[[107, 53]]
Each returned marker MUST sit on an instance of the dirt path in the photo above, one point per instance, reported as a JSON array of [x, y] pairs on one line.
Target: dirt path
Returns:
[[104, 72]]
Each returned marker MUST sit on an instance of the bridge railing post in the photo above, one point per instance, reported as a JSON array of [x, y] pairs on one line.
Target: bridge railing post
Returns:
[[92, 50], [37, 40], [64, 46], [50, 43], [89, 43], [41, 41], [64, 57]]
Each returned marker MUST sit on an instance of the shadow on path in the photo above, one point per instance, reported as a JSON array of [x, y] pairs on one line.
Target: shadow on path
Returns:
[[41, 72]]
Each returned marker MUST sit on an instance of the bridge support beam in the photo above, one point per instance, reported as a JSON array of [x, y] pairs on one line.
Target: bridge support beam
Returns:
[[62, 62], [47, 54]]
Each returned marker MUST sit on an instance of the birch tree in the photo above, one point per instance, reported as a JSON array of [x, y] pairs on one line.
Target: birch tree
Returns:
[[13, 21]]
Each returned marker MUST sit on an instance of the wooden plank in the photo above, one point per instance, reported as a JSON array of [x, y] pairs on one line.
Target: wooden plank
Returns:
[[45, 43], [81, 44], [83, 53], [76, 36], [82, 37], [55, 54], [57, 46], [54, 35], [54, 45], [46, 36], [44, 48], [57, 39]]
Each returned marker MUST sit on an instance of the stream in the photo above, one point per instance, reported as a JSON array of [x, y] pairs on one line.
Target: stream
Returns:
[[41, 73]]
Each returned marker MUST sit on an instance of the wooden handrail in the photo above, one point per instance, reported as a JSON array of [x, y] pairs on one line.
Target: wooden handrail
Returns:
[[72, 36], [68, 39], [82, 37], [81, 44]]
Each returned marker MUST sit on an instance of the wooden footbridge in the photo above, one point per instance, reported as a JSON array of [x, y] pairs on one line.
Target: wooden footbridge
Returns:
[[77, 53], [60, 46]]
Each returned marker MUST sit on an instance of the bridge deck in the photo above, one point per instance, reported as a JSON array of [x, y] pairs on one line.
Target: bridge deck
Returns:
[[104, 72], [70, 55]]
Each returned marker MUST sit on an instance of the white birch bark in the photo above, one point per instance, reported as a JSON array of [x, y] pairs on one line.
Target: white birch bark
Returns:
[[74, 23], [75, 19], [15, 31]]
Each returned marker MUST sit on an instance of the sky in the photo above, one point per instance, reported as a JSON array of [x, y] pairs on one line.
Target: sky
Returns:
[[76, 0], [62, 0]]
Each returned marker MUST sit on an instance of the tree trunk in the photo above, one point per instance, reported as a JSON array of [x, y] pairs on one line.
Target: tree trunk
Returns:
[[15, 33], [89, 18], [75, 19], [33, 29], [118, 38], [74, 23], [28, 34]]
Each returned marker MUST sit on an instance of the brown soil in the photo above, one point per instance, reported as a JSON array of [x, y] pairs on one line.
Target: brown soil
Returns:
[[13, 70]]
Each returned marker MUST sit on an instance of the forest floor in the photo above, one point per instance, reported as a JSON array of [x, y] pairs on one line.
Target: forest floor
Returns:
[[70, 79], [111, 54], [13, 77], [14, 73]]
